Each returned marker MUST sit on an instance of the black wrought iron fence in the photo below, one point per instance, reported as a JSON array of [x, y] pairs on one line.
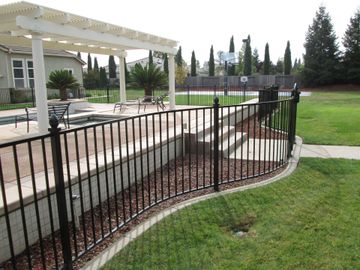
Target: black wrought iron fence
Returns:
[[64, 193], [228, 94]]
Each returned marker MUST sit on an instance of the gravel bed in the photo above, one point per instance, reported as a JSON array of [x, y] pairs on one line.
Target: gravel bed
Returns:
[[181, 176]]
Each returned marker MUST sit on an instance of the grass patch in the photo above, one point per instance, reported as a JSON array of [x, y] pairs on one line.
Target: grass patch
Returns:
[[307, 221], [330, 118], [208, 100], [12, 106]]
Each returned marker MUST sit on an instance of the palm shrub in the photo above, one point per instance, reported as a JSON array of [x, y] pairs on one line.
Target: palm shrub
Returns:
[[148, 77], [62, 80]]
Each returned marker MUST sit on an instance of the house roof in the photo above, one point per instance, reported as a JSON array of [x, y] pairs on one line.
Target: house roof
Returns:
[[145, 59], [65, 31], [47, 52]]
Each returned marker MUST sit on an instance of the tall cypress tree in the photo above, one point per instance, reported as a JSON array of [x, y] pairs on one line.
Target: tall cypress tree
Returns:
[[166, 64], [193, 65], [211, 62], [103, 78], [256, 61], [151, 60], [89, 63], [231, 67], [178, 58], [295, 64], [351, 42], [321, 51], [279, 68], [96, 65], [112, 67], [267, 63], [287, 59], [247, 57]]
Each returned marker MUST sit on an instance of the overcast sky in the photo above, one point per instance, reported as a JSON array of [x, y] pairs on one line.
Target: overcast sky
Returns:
[[198, 24]]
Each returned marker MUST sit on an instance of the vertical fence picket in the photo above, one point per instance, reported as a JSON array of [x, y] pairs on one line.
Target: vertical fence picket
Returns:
[[216, 144]]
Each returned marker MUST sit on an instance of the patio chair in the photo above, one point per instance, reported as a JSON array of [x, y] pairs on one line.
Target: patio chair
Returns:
[[119, 105], [30, 114], [152, 100], [60, 110]]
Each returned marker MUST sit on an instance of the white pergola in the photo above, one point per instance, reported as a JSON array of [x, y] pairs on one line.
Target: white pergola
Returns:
[[27, 24]]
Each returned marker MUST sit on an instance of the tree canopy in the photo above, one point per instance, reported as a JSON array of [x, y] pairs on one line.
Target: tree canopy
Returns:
[[321, 57], [247, 57], [148, 77], [178, 58], [351, 42], [287, 59], [166, 64], [112, 67], [231, 66], [151, 59], [267, 63], [62, 80], [89, 63], [211, 62], [193, 65], [96, 65]]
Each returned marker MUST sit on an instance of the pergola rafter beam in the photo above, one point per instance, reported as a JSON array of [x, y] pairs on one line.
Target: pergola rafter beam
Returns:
[[46, 27], [22, 41]]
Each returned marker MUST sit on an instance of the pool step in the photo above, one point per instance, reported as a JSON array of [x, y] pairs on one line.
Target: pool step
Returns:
[[229, 140]]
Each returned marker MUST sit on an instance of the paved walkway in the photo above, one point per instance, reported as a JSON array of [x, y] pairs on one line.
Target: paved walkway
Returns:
[[330, 151]]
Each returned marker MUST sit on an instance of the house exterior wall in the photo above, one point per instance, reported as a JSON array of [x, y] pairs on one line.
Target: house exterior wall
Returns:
[[4, 70], [51, 63], [55, 63]]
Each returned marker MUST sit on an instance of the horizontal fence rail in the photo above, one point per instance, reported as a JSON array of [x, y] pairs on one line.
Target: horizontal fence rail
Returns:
[[64, 193]]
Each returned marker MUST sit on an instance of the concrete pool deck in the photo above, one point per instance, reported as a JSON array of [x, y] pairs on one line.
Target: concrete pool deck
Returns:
[[9, 132]]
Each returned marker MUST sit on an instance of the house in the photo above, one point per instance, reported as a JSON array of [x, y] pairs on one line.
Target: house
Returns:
[[17, 71]]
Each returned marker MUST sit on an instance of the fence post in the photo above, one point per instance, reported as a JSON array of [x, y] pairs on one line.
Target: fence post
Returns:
[[295, 94], [216, 143], [60, 191]]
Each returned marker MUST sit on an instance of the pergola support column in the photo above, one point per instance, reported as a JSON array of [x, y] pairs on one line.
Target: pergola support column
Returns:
[[122, 79], [172, 82], [40, 82]]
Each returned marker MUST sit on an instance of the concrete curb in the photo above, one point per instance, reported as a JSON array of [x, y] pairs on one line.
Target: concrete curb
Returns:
[[111, 251]]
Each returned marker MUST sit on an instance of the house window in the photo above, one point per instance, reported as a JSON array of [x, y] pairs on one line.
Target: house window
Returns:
[[70, 70], [19, 74], [30, 73]]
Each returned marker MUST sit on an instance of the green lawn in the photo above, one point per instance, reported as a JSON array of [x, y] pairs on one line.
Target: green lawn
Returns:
[[330, 118], [100, 96], [12, 106], [306, 221]]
